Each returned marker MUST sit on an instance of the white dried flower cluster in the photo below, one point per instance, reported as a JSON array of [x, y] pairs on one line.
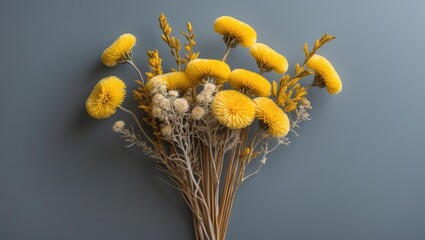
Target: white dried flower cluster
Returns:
[[158, 87], [305, 104], [157, 98], [156, 112], [165, 104], [204, 97], [207, 94], [173, 93], [209, 87], [198, 113], [181, 105], [118, 126], [161, 101]]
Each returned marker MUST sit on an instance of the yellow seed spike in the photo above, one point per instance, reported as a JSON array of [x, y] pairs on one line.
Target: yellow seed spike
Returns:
[[274, 88], [189, 27], [305, 49]]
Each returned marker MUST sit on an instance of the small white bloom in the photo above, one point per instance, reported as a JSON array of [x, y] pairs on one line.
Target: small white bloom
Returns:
[[162, 89], [209, 87], [181, 105], [157, 99], [173, 93], [166, 130], [204, 97], [118, 126], [156, 85], [156, 112], [165, 104], [198, 112], [201, 97]]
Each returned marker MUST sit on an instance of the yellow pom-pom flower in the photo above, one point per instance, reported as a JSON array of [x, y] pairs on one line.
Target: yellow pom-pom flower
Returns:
[[252, 82], [326, 76], [233, 109], [268, 59], [106, 96], [203, 69], [272, 117], [119, 51], [172, 80], [235, 31]]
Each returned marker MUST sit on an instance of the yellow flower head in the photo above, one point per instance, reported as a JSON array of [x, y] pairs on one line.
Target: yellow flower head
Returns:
[[325, 74], [106, 96], [172, 80], [271, 116], [233, 109], [235, 31], [119, 51], [252, 82], [199, 69], [268, 59]]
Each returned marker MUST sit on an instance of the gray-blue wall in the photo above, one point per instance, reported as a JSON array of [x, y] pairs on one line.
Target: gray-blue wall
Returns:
[[355, 172]]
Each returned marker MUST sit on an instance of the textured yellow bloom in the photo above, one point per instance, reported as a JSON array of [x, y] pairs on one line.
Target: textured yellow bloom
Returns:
[[106, 96], [325, 74], [119, 51], [253, 82], [271, 116], [268, 59], [172, 80], [235, 31], [199, 69], [233, 109]]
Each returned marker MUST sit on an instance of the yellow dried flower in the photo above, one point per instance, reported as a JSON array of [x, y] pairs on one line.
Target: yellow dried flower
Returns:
[[271, 116], [199, 69], [253, 82], [106, 96], [268, 59], [235, 31], [119, 51], [172, 80], [325, 74], [233, 109]]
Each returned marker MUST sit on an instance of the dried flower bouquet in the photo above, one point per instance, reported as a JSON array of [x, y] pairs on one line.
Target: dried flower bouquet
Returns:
[[197, 118]]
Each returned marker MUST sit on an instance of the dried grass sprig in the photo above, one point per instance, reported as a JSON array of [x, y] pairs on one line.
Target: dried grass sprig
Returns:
[[172, 42]]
